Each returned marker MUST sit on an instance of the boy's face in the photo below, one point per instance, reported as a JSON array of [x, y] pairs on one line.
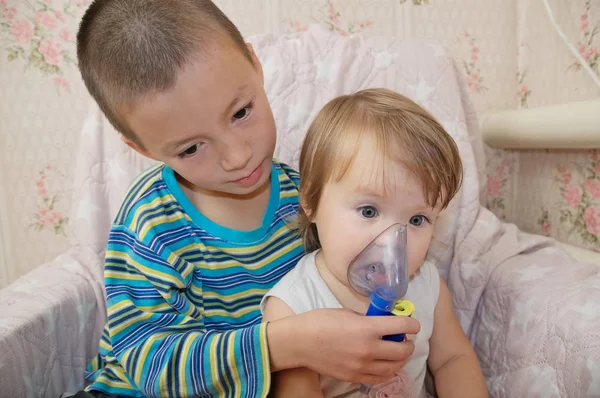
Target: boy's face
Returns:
[[215, 127], [355, 210]]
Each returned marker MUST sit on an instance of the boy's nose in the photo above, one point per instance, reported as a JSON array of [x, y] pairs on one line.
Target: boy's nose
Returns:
[[235, 154]]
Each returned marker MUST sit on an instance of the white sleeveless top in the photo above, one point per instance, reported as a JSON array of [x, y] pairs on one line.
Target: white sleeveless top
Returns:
[[303, 289]]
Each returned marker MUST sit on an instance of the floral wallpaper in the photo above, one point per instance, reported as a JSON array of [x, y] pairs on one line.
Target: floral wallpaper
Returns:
[[41, 36], [579, 200], [566, 205], [498, 189], [47, 215], [586, 45], [507, 50], [471, 65]]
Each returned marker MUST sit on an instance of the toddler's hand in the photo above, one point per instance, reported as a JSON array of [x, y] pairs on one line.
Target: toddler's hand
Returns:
[[347, 346]]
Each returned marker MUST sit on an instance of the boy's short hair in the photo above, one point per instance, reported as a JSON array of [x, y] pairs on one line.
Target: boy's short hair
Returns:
[[127, 49], [402, 130]]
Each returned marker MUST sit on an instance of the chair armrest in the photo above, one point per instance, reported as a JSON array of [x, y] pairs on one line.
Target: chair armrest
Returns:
[[536, 327], [50, 326]]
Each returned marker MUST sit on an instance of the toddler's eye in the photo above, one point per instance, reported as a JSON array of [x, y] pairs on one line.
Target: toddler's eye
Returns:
[[368, 212], [417, 221], [243, 113]]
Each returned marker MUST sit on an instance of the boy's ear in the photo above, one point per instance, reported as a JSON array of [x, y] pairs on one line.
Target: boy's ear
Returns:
[[136, 147], [256, 61]]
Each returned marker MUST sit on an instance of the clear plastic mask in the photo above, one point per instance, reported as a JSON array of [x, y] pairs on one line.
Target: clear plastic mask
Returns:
[[380, 271]]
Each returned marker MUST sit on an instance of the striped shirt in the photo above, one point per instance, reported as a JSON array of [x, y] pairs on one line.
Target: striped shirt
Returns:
[[183, 293]]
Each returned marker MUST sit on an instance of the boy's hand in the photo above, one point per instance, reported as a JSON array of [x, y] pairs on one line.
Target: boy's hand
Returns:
[[341, 344]]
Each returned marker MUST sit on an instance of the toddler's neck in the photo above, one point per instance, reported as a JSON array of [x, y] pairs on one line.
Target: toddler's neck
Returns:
[[347, 297]]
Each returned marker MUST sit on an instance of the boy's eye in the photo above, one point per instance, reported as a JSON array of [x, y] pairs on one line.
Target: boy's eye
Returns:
[[417, 221], [190, 151], [243, 113], [368, 211]]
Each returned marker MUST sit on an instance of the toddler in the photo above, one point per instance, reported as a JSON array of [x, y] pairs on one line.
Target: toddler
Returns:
[[371, 160]]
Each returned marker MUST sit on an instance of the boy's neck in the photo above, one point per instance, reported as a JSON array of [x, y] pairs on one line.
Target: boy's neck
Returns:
[[241, 213]]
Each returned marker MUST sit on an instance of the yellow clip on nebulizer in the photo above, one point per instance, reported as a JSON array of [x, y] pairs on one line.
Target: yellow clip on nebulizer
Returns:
[[380, 272]]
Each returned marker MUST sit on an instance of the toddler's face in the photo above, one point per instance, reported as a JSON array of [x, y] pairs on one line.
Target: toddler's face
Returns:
[[369, 198], [215, 128]]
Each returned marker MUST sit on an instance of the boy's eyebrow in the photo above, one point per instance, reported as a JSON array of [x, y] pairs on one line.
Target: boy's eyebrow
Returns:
[[238, 95], [173, 145]]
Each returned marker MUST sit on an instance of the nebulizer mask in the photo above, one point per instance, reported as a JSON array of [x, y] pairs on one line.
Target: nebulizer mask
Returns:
[[380, 272]]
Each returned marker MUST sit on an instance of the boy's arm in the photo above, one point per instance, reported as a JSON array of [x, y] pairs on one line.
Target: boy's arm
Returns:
[[452, 360], [292, 383], [341, 344], [158, 336]]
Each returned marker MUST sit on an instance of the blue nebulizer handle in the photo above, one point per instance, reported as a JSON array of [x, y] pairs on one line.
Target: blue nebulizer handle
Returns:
[[400, 308], [380, 272]]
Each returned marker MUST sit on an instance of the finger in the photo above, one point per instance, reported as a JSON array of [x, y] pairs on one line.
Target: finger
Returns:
[[392, 351], [388, 325]]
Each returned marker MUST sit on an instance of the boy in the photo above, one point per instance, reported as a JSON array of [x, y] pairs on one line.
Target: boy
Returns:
[[202, 236]]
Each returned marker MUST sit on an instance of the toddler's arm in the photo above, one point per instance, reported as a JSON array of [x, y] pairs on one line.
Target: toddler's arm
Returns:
[[292, 383], [452, 360]]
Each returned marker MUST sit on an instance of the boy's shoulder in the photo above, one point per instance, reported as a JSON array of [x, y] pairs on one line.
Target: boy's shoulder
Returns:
[[142, 194], [289, 172], [149, 198]]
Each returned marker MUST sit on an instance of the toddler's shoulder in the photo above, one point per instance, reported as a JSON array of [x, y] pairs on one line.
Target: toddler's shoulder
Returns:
[[429, 278]]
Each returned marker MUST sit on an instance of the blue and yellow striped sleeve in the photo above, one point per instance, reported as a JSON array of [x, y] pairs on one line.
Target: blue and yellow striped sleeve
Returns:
[[156, 334]]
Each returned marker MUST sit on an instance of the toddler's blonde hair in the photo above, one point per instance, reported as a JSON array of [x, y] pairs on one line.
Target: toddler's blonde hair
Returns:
[[402, 130]]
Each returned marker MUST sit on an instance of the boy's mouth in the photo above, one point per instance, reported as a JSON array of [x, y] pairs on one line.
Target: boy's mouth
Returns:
[[251, 178]]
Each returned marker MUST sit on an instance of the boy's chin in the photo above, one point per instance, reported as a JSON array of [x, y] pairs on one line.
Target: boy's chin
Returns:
[[257, 189], [237, 191], [228, 190]]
